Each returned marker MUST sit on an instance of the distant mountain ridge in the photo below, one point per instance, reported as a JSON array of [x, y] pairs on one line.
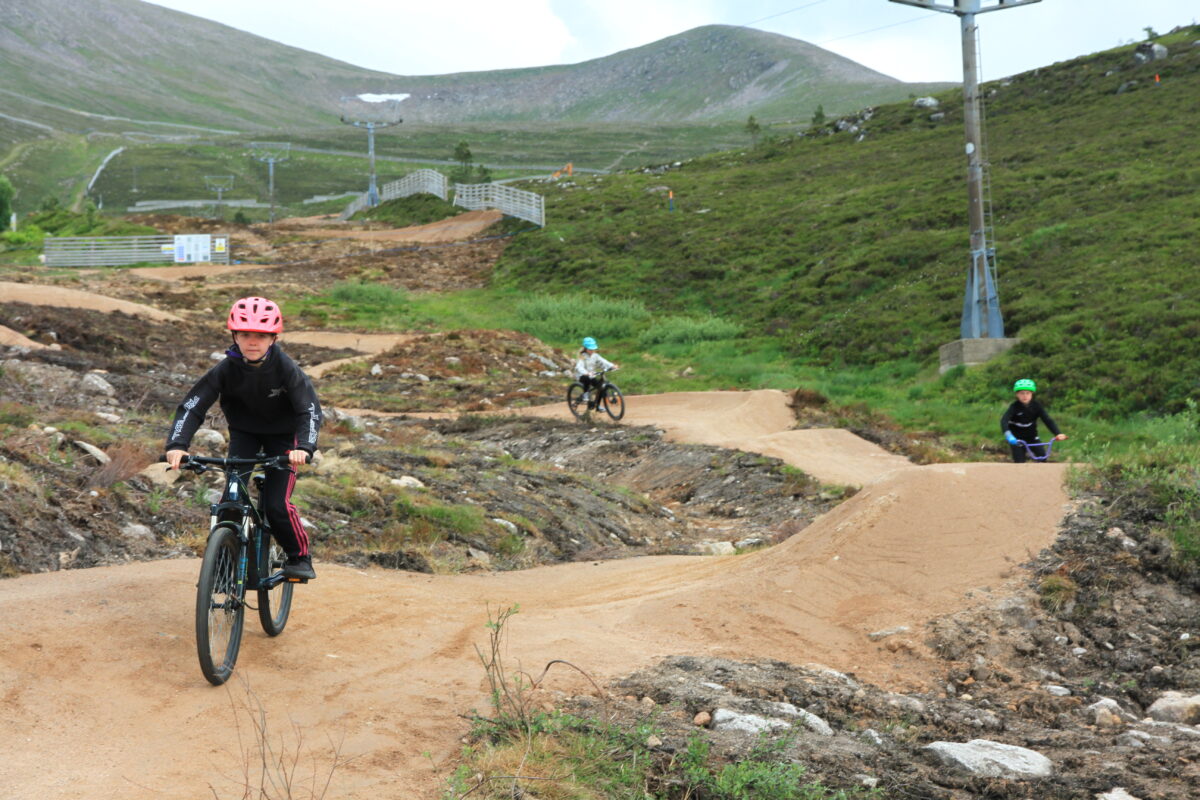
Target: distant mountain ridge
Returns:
[[711, 73], [130, 59]]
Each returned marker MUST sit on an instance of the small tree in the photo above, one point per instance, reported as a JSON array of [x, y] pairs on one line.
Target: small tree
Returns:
[[1150, 33], [6, 197], [462, 154], [754, 129], [818, 118]]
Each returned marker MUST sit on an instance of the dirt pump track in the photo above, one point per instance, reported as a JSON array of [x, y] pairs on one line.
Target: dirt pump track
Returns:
[[102, 696], [100, 664]]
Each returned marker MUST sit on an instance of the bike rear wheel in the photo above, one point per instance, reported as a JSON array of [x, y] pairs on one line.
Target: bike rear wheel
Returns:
[[270, 561], [614, 402], [575, 400], [220, 611]]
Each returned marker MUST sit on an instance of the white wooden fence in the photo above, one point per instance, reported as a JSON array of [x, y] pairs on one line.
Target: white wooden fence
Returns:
[[429, 181], [518, 203], [112, 251]]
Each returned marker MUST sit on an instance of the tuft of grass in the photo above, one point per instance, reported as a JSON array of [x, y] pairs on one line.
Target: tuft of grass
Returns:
[[689, 330], [574, 316], [1058, 592]]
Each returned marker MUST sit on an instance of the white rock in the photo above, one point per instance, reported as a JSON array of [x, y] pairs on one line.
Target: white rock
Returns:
[[209, 438], [136, 531], [726, 720], [810, 720], [992, 759], [94, 384], [107, 417], [408, 481], [93, 451], [503, 523], [715, 548], [1117, 793], [376, 369], [1176, 707]]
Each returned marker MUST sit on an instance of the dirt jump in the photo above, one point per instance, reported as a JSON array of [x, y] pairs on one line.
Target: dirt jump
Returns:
[[378, 665]]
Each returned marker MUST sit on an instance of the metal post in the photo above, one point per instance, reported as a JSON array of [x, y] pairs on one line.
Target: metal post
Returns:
[[981, 302], [977, 322], [271, 187], [367, 121], [271, 153], [372, 192]]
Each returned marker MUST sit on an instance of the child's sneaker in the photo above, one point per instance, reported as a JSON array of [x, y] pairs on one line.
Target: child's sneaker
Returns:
[[299, 567]]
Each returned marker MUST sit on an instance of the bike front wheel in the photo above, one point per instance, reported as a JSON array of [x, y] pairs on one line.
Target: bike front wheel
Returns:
[[270, 560], [575, 400], [614, 402], [220, 611]]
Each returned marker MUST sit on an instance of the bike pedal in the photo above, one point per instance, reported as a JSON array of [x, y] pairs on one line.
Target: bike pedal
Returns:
[[296, 580]]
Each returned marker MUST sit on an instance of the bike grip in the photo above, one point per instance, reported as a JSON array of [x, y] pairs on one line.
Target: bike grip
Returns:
[[1010, 438]]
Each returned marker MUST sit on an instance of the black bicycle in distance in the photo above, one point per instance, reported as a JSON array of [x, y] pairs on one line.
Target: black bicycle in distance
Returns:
[[605, 396], [241, 557]]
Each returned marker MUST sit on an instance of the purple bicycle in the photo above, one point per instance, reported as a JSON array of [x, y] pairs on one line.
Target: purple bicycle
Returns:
[[1037, 451]]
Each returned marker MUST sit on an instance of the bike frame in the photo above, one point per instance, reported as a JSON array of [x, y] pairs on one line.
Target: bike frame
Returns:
[[239, 500], [1029, 449]]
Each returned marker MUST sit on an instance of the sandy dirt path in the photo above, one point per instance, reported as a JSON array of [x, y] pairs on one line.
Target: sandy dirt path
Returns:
[[36, 294], [447, 230], [100, 664], [11, 338], [757, 422], [176, 274]]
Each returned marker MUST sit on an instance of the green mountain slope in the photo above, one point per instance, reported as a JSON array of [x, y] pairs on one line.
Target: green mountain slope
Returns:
[[107, 64], [853, 248], [711, 73], [135, 60]]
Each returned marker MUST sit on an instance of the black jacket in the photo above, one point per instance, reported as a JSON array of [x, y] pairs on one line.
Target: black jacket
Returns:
[[1022, 420], [274, 398]]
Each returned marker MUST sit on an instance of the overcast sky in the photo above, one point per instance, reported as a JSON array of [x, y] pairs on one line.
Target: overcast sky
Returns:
[[433, 38]]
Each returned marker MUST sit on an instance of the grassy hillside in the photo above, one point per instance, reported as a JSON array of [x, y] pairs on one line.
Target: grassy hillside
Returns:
[[714, 73], [854, 252], [124, 64], [129, 59]]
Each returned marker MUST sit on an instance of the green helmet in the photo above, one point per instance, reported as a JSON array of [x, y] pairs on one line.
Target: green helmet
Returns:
[[1025, 384]]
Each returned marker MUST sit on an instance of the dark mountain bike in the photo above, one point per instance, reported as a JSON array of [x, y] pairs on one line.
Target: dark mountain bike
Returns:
[[241, 556], [606, 396]]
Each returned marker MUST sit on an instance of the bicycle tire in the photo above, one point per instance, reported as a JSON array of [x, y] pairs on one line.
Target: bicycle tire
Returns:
[[220, 612], [270, 560], [575, 400], [614, 402]]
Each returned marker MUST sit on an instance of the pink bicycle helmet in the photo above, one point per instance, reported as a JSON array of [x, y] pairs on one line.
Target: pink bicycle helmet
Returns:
[[255, 315]]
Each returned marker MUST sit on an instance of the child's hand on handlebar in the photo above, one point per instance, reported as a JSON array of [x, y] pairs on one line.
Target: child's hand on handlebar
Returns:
[[175, 458], [298, 457], [1060, 437]]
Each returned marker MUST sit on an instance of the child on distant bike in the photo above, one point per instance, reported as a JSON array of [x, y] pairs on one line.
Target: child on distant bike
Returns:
[[270, 405], [1019, 421], [588, 367]]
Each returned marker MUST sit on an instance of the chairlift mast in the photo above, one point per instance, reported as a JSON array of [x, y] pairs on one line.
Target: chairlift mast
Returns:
[[981, 304]]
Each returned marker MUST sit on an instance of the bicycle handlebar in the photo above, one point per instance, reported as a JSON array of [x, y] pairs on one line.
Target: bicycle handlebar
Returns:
[[199, 463]]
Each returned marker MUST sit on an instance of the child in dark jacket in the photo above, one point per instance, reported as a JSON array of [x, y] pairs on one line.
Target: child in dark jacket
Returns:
[[1019, 421], [270, 405]]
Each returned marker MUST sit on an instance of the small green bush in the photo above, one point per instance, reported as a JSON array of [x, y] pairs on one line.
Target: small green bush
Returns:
[[689, 330], [572, 316]]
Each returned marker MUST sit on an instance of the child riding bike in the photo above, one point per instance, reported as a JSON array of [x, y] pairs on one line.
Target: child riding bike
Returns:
[[588, 367], [1019, 421], [270, 405]]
